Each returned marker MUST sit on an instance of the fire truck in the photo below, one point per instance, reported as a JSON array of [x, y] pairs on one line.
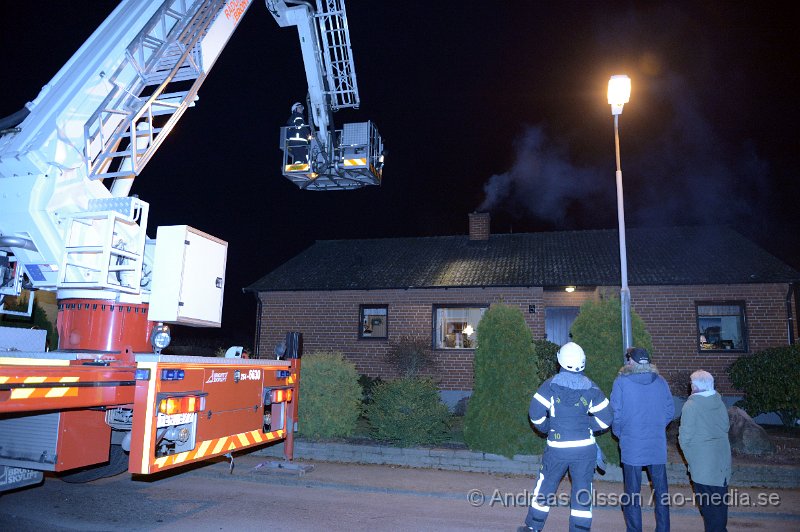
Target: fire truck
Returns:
[[108, 399]]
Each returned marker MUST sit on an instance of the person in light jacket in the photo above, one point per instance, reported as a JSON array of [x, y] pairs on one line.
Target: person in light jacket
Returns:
[[703, 437], [643, 407]]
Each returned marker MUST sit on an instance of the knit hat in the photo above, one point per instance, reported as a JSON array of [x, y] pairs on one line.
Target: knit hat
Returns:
[[639, 355]]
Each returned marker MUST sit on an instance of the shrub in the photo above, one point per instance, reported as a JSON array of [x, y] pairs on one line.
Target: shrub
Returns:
[[368, 384], [506, 377], [410, 356], [770, 381], [546, 358], [408, 411], [330, 396], [678, 381], [598, 330]]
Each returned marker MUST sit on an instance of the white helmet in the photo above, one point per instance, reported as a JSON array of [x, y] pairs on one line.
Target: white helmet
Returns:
[[571, 357], [297, 108]]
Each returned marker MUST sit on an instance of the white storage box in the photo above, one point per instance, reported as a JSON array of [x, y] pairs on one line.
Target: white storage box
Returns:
[[188, 277]]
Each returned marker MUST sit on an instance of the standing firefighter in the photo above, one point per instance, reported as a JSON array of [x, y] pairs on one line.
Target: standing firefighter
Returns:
[[569, 408], [298, 135]]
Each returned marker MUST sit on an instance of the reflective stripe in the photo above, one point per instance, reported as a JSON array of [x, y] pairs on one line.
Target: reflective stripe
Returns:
[[534, 505], [545, 509], [581, 513], [600, 422], [576, 443], [539, 421], [552, 407], [21, 393], [542, 400], [593, 409], [220, 444]]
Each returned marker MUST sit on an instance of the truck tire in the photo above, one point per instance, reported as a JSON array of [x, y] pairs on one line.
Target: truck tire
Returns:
[[117, 463]]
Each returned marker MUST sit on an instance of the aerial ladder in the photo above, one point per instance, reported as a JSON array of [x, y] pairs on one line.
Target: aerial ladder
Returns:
[[70, 225], [343, 159]]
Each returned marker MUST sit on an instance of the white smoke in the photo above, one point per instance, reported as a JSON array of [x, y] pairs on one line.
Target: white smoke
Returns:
[[686, 174], [542, 180]]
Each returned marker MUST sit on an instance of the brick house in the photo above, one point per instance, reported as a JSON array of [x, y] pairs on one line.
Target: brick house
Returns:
[[706, 294]]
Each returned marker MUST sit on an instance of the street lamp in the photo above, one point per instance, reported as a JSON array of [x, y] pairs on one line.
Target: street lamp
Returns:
[[619, 93]]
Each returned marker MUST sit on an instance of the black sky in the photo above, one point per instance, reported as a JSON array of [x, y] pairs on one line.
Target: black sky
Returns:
[[493, 105]]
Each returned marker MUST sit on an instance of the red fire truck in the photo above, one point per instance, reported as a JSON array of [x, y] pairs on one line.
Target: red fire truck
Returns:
[[107, 399]]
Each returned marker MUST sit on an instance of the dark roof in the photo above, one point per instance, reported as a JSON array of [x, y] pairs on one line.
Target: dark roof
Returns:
[[663, 256]]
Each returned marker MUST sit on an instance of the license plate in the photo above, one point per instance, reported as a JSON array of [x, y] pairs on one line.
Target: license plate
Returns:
[[170, 420]]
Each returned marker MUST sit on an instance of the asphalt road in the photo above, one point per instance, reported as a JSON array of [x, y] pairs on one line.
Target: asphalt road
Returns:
[[340, 497]]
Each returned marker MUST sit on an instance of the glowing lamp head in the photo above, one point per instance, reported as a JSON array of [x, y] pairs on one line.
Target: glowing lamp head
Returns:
[[619, 93]]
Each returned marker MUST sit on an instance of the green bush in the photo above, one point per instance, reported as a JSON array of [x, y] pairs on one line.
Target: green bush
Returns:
[[506, 377], [770, 380], [598, 330], [411, 355], [368, 384], [330, 396], [546, 357], [407, 412]]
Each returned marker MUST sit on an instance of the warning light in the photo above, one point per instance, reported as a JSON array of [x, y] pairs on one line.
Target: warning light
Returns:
[[181, 405], [172, 374], [281, 396]]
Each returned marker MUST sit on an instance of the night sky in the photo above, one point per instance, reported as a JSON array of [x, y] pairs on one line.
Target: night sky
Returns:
[[497, 106]]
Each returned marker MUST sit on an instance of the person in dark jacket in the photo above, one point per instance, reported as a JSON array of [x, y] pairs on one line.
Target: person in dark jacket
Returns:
[[643, 407], [704, 441], [569, 408]]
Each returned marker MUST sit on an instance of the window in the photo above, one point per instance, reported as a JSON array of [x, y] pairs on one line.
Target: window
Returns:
[[721, 326], [455, 327], [373, 321]]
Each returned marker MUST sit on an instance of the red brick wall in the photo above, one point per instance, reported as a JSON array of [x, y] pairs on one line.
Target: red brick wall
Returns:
[[669, 313], [329, 321]]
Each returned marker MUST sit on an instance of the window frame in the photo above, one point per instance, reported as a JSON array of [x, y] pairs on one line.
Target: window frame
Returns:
[[743, 323], [361, 315], [434, 323]]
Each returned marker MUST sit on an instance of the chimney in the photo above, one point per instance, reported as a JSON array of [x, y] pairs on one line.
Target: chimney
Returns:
[[479, 226]]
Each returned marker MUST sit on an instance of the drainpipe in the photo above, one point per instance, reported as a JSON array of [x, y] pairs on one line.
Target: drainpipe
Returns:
[[256, 353], [789, 317], [257, 347]]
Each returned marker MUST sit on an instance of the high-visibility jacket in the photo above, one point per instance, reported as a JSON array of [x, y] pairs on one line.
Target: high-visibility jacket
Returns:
[[569, 408]]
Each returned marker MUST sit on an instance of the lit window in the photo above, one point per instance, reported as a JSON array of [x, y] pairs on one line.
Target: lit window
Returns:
[[373, 321], [721, 326], [456, 327]]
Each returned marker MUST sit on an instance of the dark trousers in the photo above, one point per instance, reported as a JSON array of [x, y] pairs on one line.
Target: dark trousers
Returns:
[[580, 462], [631, 503], [713, 506]]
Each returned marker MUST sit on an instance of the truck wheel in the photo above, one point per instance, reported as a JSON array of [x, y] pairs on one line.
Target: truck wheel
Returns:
[[117, 463]]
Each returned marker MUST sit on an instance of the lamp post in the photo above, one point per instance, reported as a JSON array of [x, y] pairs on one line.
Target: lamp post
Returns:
[[619, 93]]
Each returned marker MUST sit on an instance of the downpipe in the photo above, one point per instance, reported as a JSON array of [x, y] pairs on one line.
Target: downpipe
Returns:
[[789, 317]]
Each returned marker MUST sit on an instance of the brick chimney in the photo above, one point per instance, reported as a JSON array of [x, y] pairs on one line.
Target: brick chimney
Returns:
[[479, 226]]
